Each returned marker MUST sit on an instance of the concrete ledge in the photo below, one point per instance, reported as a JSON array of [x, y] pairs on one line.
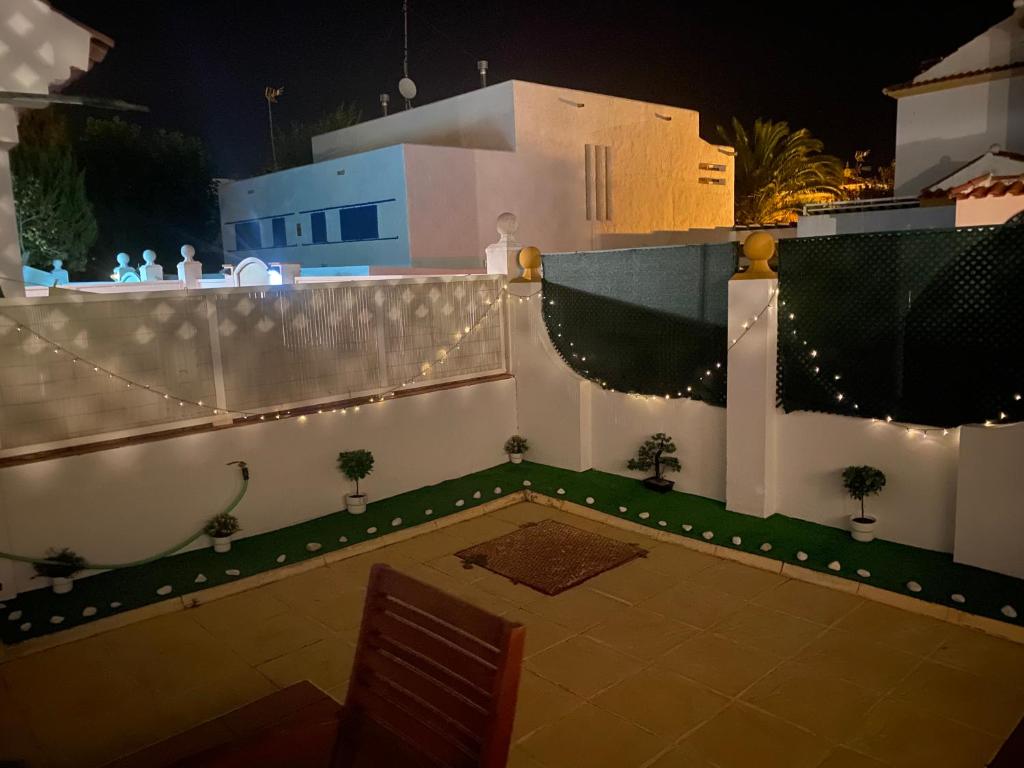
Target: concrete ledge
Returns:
[[819, 578]]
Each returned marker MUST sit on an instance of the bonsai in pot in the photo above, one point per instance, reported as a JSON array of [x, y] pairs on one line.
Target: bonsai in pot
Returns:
[[221, 528], [653, 454], [860, 482], [355, 465], [61, 568], [515, 447]]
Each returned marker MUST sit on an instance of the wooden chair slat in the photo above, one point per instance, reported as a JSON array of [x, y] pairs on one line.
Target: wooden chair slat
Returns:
[[452, 681], [450, 633]]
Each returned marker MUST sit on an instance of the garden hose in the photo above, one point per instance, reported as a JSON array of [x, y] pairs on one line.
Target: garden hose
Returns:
[[110, 566]]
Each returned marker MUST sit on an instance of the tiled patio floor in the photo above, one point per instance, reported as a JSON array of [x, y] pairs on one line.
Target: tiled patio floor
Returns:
[[679, 659]]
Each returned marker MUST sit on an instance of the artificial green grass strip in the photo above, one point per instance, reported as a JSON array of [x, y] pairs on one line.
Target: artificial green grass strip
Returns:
[[891, 565]]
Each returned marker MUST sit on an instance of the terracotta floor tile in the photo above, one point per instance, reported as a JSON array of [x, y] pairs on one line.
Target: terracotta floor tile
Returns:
[[631, 583], [452, 566], [541, 633], [577, 608], [661, 701], [988, 656], [894, 627], [841, 757], [591, 737], [264, 640], [641, 633], [902, 734], [853, 658], [226, 616], [825, 705], [768, 630], [682, 756], [809, 601], [719, 663], [676, 561], [994, 706], [506, 589], [540, 703], [740, 737], [737, 579], [699, 606], [582, 665]]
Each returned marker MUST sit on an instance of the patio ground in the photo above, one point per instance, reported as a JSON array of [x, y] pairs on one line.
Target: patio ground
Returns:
[[678, 659]]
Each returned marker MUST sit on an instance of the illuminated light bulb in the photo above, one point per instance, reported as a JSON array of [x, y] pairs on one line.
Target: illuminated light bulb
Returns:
[[679, 394], [814, 353], [166, 397], [791, 315], [718, 365], [19, 329], [988, 423], [666, 397], [262, 418], [837, 377], [839, 396], [794, 331], [1016, 397], [945, 432], [200, 402], [319, 411], [817, 369], [551, 302], [1002, 415], [707, 373], [56, 351], [756, 318], [733, 341], [689, 389], [888, 419], [583, 358], [856, 407], [302, 417], [180, 403], [278, 416], [95, 368], [215, 411], [744, 326], [357, 408], [467, 329]]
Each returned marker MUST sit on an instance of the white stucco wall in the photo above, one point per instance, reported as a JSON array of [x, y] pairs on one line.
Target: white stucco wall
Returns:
[[985, 211], [376, 177], [855, 222], [990, 499], [938, 132], [126, 503]]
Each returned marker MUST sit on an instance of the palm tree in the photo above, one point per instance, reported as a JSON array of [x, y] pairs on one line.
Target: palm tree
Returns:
[[778, 170]]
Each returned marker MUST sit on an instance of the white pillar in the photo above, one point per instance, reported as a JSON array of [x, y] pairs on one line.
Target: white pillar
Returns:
[[503, 256], [10, 252], [190, 272], [750, 409]]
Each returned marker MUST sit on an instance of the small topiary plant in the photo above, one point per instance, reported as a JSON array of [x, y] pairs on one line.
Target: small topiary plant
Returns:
[[516, 444], [861, 481], [222, 525], [653, 454], [64, 564], [355, 465]]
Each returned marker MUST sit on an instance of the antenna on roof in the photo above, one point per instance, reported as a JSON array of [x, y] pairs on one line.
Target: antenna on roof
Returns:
[[482, 67], [406, 86], [384, 99]]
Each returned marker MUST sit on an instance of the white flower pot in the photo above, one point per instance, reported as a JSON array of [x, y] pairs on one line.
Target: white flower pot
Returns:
[[517, 458], [862, 528], [61, 584], [221, 544], [355, 503]]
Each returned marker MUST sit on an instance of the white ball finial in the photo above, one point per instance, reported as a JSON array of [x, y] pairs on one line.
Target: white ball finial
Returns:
[[507, 224], [187, 252], [407, 88], [123, 259], [1018, 4], [149, 256]]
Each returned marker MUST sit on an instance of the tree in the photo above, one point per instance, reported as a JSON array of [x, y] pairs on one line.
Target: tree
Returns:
[[861, 481], [295, 143], [778, 171], [653, 454], [150, 189], [55, 218]]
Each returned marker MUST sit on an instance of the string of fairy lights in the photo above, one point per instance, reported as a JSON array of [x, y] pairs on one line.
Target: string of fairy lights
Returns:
[[380, 396]]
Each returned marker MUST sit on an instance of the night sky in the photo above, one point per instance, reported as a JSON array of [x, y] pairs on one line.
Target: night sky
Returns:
[[201, 65]]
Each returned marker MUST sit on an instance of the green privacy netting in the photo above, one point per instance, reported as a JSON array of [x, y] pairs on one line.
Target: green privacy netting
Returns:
[[650, 321], [919, 326]]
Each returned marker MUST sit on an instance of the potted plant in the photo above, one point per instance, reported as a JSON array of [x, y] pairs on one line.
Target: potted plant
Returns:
[[653, 454], [515, 447], [60, 568], [860, 482], [355, 465], [221, 528]]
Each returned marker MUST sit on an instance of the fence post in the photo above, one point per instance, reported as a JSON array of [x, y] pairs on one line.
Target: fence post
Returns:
[[217, 362], [190, 271], [750, 412], [503, 256]]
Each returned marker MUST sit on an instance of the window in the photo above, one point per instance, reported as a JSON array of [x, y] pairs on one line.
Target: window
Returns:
[[359, 223], [247, 236], [318, 225], [280, 238]]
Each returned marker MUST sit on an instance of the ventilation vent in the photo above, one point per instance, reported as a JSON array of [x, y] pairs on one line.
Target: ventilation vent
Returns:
[[720, 167], [597, 160], [709, 180]]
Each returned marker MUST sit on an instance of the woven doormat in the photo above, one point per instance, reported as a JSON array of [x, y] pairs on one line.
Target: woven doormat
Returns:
[[550, 556]]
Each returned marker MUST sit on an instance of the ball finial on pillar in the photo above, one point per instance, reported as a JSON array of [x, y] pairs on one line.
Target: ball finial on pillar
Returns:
[[529, 260], [759, 247]]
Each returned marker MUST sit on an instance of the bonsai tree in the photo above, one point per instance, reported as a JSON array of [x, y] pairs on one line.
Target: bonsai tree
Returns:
[[355, 465], [863, 481], [222, 525], [64, 564], [516, 444], [654, 454]]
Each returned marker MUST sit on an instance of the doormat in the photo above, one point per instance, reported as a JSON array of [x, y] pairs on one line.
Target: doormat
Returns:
[[549, 556]]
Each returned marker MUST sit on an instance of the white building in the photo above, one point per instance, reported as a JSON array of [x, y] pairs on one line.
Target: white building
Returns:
[[40, 51], [956, 110], [422, 188]]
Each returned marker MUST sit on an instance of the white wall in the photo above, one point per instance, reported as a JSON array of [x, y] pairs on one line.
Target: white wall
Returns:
[[990, 499], [985, 211], [855, 222], [918, 504], [129, 502]]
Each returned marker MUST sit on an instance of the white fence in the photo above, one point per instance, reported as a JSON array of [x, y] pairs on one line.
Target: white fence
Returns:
[[246, 350]]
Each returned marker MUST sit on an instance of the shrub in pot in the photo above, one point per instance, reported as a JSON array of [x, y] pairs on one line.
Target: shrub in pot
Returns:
[[60, 568], [221, 528], [653, 454], [860, 482], [355, 465], [515, 447]]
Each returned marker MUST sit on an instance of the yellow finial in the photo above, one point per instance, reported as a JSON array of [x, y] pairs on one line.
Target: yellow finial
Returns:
[[529, 260], [758, 248]]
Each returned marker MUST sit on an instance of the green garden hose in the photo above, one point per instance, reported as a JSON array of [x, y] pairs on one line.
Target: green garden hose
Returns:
[[110, 566]]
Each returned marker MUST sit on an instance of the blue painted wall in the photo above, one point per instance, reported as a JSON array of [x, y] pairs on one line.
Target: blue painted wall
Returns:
[[349, 212]]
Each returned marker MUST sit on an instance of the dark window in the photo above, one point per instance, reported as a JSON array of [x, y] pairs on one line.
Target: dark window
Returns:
[[318, 224], [247, 236], [280, 239], [359, 223]]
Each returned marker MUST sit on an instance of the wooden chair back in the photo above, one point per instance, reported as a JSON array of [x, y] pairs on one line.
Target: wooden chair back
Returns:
[[433, 672]]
